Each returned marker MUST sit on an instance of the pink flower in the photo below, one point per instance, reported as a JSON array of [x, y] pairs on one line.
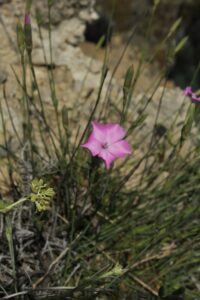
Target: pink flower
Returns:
[[188, 92], [107, 141], [27, 19]]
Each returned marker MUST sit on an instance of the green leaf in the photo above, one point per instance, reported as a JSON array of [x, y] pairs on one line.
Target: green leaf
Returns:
[[174, 27], [181, 44], [128, 81], [127, 90], [65, 119], [117, 270], [4, 204], [190, 117]]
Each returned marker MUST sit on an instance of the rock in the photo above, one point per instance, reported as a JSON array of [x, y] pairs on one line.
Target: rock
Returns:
[[97, 29], [72, 31], [71, 66], [170, 105], [64, 10], [127, 13], [67, 32], [77, 76], [84, 15], [4, 1], [84, 2], [3, 77], [67, 55], [172, 111], [70, 18]]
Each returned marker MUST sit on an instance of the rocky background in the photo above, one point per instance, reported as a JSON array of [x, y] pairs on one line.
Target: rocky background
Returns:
[[77, 64]]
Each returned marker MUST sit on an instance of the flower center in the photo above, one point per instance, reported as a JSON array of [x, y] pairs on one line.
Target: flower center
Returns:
[[105, 146]]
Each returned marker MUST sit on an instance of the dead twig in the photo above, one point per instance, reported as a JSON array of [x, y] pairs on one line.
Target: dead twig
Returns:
[[52, 265], [15, 295], [144, 285]]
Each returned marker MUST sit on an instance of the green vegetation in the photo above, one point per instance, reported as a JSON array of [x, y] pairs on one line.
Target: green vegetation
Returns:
[[123, 233]]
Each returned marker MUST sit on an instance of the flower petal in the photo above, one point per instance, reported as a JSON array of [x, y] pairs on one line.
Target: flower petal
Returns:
[[99, 132], [114, 133], [120, 149], [93, 145], [107, 142], [195, 98], [107, 133], [188, 91], [107, 157]]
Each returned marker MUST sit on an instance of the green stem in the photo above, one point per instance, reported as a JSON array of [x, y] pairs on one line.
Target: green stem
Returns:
[[11, 206], [49, 130]]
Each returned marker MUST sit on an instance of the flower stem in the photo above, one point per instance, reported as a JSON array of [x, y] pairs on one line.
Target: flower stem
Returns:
[[11, 206]]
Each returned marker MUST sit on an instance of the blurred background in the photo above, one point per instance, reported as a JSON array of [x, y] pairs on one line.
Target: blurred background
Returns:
[[127, 14]]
